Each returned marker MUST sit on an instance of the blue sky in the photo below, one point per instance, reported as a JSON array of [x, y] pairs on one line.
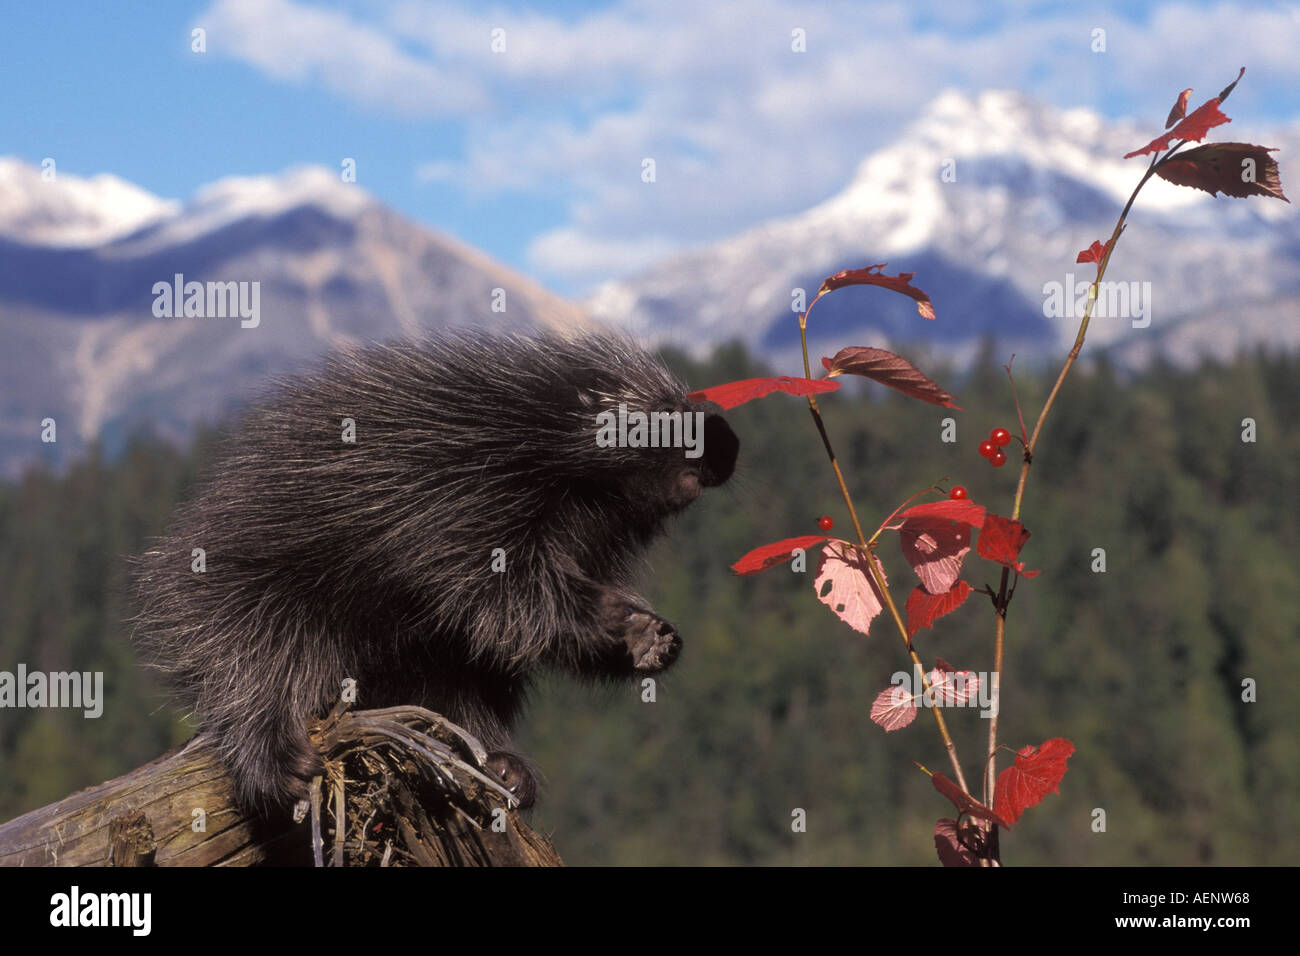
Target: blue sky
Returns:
[[535, 153]]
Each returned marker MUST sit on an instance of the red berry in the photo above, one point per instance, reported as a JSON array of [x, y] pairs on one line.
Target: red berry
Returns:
[[998, 458], [987, 448], [825, 523], [1000, 437], [958, 493]]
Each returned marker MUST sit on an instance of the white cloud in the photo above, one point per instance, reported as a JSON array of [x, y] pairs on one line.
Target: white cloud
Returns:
[[591, 258], [741, 127], [290, 41]]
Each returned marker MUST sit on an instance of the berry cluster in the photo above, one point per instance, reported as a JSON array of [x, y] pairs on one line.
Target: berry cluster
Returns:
[[991, 448]]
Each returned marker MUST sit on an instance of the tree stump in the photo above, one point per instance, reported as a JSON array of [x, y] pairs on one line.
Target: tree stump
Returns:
[[402, 788]]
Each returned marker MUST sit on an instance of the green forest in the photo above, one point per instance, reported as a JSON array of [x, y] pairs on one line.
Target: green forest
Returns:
[[1141, 666]]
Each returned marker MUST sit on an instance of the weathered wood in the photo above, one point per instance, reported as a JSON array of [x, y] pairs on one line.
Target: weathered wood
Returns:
[[404, 783], [130, 841]]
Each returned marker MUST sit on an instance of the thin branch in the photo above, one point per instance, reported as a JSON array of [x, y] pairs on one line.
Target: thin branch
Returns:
[[999, 630], [877, 574], [1015, 394]]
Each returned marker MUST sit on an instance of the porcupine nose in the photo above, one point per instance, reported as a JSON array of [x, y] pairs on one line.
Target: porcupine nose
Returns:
[[721, 446]]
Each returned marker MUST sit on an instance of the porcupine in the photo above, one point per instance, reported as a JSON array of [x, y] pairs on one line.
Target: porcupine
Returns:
[[326, 559]]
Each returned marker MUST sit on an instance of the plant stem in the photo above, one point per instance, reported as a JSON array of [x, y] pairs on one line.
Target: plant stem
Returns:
[[999, 635], [877, 574], [1000, 625], [1078, 339], [835, 466]]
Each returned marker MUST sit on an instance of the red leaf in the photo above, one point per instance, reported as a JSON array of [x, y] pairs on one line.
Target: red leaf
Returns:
[[936, 546], [1197, 125], [738, 393], [964, 802], [1180, 108], [895, 707], [1194, 127], [1036, 773], [923, 608], [770, 555], [900, 283], [959, 844], [1001, 540], [954, 509], [1094, 253], [950, 687], [844, 584], [1223, 93], [887, 369], [1218, 167]]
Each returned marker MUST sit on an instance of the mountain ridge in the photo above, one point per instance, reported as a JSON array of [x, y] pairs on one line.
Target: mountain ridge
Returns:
[[332, 265], [1029, 187], [1032, 187]]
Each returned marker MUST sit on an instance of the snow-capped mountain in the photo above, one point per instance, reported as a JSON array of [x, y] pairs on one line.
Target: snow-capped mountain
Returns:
[[40, 207], [96, 338], [988, 199]]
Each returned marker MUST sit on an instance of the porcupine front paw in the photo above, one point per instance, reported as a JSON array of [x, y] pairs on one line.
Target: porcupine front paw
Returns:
[[653, 642], [642, 640]]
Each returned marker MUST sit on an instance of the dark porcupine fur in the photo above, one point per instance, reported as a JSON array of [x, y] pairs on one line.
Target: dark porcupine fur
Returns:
[[327, 560]]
